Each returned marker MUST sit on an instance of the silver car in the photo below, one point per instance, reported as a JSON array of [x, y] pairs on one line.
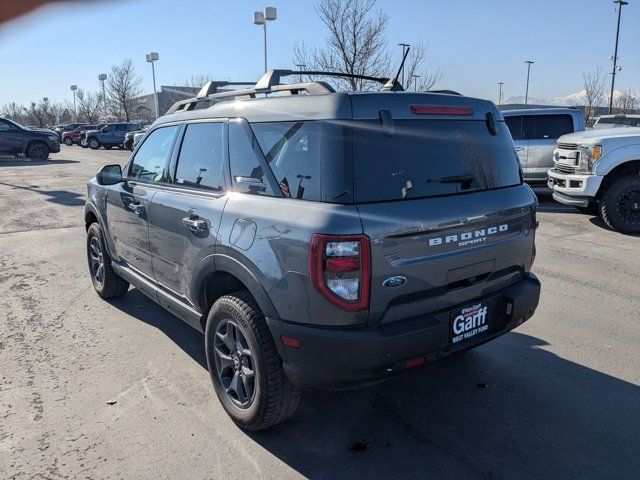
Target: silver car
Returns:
[[534, 133]]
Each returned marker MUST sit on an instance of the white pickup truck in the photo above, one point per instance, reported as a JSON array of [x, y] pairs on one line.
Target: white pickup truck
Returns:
[[599, 170]]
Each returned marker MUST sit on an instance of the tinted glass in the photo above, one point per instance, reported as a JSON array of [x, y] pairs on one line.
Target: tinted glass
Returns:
[[552, 126], [202, 157], [293, 151], [247, 173], [148, 164], [606, 120], [5, 126], [431, 157], [515, 126]]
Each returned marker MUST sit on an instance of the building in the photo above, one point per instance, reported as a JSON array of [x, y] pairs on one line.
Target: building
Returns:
[[144, 106]]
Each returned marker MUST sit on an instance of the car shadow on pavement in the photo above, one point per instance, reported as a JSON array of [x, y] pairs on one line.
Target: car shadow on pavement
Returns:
[[508, 409], [25, 162], [61, 197]]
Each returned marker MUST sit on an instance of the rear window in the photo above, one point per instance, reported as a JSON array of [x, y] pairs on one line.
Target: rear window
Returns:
[[426, 158]]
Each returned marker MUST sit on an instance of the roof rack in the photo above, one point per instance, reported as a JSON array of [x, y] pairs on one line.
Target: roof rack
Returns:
[[270, 83]]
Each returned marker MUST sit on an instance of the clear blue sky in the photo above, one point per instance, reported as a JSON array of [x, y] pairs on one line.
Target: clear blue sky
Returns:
[[476, 43]]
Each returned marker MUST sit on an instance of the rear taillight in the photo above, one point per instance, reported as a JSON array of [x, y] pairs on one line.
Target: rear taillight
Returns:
[[534, 226], [339, 267], [440, 110]]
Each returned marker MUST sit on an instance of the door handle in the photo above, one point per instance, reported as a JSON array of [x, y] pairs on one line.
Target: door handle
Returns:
[[136, 208], [195, 223], [519, 149]]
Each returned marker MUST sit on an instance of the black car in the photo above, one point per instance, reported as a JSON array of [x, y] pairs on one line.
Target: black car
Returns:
[[18, 140]]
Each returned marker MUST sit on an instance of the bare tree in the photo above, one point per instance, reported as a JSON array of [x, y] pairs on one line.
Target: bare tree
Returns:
[[627, 102], [417, 77], [594, 88], [123, 85], [89, 105], [356, 43], [14, 111], [198, 80]]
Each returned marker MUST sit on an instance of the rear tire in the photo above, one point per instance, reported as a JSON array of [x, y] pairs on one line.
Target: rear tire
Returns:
[[68, 141], [38, 151], [93, 143], [620, 204], [105, 280], [240, 347]]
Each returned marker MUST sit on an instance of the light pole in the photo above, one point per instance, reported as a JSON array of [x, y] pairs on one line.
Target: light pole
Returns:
[[102, 77], [415, 81], [300, 67], [152, 58], [404, 46], [261, 18], [620, 4], [500, 93], [526, 95], [73, 89]]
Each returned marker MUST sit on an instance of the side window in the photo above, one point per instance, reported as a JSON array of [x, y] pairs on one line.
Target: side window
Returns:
[[148, 164], [247, 175], [121, 127], [6, 126], [553, 126], [514, 124], [293, 151], [202, 157]]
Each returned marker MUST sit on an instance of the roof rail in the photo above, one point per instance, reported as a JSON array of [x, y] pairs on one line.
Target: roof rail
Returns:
[[270, 83]]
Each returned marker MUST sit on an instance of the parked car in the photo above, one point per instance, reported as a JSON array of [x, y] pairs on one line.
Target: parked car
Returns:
[[18, 140], [535, 132], [74, 136], [60, 129], [598, 171], [109, 136], [320, 241], [620, 120], [132, 138]]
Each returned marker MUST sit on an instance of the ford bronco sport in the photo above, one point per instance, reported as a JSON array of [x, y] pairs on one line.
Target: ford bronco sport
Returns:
[[319, 239]]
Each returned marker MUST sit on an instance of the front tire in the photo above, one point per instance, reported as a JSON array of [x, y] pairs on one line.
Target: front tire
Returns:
[[93, 143], [244, 364], [38, 151], [68, 141], [620, 204], [105, 280]]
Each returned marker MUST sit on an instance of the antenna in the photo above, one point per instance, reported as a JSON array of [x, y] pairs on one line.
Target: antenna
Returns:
[[393, 84]]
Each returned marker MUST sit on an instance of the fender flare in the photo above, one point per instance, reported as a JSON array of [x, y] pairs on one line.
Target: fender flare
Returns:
[[227, 264], [89, 207]]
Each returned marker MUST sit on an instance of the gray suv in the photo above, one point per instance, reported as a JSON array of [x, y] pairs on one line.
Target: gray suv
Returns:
[[320, 240]]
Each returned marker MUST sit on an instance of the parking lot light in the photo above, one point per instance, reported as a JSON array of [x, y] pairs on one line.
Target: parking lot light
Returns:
[[73, 89], [261, 18], [152, 58], [526, 95], [102, 77]]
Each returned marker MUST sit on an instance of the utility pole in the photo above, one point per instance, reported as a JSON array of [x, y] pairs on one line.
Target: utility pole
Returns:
[[404, 46], [500, 93], [526, 95], [620, 4]]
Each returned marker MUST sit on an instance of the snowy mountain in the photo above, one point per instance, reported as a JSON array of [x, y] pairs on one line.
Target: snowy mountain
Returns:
[[571, 100]]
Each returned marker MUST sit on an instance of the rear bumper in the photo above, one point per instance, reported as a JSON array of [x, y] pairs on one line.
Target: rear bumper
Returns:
[[334, 359]]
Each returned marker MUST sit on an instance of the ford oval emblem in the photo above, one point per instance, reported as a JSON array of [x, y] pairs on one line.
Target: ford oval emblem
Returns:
[[393, 282]]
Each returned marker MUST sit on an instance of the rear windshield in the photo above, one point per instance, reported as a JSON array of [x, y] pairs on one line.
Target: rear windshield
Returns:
[[426, 158]]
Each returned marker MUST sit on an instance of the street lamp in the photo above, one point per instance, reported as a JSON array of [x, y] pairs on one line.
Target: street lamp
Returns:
[[500, 93], [415, 82], [300, 67], [102, 77], [526, 95], [620, 4], [73, 89], [404, 46], [45, 99], [261, 18], [152, 58]]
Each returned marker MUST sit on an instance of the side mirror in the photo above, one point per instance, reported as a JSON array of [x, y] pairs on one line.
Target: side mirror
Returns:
[[109, 175]]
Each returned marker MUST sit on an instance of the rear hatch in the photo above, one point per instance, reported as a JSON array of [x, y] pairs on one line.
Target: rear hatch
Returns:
[[440, 196]]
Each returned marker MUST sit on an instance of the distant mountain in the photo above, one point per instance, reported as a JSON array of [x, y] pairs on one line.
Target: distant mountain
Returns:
[[571, 100]]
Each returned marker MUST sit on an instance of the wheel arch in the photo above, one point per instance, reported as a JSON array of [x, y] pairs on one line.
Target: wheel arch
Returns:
[[629, 167], [219, 275]]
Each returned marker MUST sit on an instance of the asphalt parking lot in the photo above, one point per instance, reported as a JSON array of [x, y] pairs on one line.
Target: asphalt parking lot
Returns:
[[90, 389]]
